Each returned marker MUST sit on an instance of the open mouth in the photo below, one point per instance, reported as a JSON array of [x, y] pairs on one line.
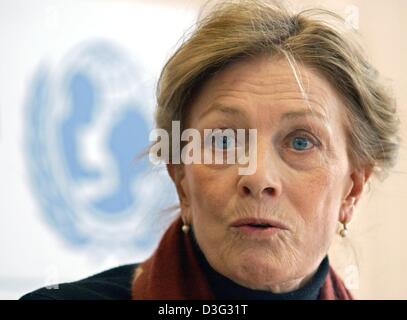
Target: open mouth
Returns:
[[263, 226], [258, 227], [258, 230]]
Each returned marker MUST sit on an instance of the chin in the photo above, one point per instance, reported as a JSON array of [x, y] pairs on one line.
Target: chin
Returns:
[[254, 271]]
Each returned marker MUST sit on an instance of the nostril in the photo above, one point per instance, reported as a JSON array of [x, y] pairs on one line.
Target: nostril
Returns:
[[246, 190], [269, 191]]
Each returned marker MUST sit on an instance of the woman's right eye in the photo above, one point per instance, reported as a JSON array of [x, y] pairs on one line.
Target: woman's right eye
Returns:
[[224, 142], [221, 139]]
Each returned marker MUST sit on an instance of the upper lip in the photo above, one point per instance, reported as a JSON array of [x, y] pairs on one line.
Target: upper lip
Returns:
[[259, 221]]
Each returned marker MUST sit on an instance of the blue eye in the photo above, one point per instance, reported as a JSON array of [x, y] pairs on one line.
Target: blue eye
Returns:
[[223, 142], [301, 143]]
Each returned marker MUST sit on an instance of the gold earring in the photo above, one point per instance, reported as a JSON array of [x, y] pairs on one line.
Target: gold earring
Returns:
[[344, 231]]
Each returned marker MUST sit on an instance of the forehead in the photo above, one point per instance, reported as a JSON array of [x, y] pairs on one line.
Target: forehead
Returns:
[[266, 87]]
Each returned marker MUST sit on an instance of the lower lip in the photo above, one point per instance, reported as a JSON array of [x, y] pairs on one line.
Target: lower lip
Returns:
[[257, 231]]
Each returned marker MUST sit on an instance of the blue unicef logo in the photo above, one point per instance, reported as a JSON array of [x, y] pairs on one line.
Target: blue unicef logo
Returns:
[[87, 121]]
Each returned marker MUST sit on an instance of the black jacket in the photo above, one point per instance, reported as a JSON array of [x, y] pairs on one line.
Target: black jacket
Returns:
[[110, 284]]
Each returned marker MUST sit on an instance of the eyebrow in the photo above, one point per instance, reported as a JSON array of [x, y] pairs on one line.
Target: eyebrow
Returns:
[[216, 107], [241, 113], [301, 113]]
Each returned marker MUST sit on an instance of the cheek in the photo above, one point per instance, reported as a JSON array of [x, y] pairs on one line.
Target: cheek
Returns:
[[209, 190], [315, 199]]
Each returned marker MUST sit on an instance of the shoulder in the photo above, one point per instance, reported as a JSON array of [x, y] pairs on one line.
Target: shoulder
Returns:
[[114, 283]]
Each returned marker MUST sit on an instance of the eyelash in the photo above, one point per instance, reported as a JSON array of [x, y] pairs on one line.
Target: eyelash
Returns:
[[307, 135], [222, 128], [306, 131]]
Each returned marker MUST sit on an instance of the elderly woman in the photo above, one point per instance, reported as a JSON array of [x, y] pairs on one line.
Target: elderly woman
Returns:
[[324, 126]]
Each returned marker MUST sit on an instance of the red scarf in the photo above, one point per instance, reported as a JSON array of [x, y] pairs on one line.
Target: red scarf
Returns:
[[173, 273]]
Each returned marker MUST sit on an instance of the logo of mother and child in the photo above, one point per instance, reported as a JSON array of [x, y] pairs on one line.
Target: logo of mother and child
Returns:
[[87, 120]]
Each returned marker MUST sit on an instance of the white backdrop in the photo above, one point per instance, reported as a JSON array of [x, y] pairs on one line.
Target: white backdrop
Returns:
[[121, 46]]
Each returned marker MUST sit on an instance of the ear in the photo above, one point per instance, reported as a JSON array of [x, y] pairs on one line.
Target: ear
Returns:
[[354, 193], [177, 174]]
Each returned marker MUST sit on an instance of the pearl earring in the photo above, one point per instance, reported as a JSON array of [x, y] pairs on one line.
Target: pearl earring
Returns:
[[344, 231], [185, 227]]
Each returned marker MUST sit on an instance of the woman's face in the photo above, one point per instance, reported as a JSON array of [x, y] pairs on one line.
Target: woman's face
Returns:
[[303, 179]]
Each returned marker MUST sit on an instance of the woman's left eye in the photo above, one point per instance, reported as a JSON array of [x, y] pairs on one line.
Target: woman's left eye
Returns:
[[301, 143]]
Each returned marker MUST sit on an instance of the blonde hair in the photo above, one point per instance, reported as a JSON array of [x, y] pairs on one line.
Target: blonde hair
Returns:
[[318, 38]]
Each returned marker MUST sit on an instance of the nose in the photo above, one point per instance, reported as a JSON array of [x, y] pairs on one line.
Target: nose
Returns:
[[265, 181]]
